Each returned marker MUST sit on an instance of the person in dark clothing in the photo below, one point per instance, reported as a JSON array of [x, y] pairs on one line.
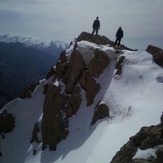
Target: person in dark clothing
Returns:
[[119, 36], [96, 26]]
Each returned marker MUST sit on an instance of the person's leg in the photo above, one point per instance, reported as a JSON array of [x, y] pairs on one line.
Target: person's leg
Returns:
[[93, 32], [119, 41], [96, 31], [116, 42]]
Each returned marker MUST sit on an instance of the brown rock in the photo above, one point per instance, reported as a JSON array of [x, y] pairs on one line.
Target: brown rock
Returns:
[[158, 58], [52, 72], [92, 88], [101, 111], [157, 54], [147, 137], [125, 154], [153, 138], [61, 65], [151, 160], [53, 125], [74, 102], [98, 63], [153, 49], [119, 65], [74, 70], [34, 138], [45, 88], [83, 79], [97, 39], [7, 122], [27, 92]]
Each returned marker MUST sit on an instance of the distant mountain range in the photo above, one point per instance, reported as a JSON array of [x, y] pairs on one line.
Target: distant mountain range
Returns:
[[51, 47], [24, 61]]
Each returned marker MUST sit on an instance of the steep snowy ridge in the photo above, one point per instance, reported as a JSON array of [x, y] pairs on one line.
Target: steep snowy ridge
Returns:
[[134, 100]]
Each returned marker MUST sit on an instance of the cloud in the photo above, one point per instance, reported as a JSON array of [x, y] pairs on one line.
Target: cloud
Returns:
[[63, 20]]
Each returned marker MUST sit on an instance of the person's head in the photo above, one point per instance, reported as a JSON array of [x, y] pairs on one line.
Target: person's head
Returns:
[[97, 17], [120, 28]]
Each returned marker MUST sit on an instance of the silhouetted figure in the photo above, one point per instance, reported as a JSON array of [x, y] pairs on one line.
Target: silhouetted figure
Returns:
[[96, 26], [119, 36]]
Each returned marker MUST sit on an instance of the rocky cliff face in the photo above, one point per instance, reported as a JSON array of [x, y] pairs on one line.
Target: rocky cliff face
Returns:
[[63, 97], [147, 138]]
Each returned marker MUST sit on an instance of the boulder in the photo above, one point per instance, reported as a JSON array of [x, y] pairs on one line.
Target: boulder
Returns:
[[35, 132], [146, 138], [125, 154], [74, 71], [118, 65], [153, 49], [74, 102], [90, 86], [98, 63], [27, 92], [83, 79], [101, 111], [7, 122], [53, 124], [92, 89], [157, 54]]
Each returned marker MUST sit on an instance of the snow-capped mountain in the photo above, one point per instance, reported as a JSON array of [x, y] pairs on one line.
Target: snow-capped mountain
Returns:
[[50, 47], [30, 41], [87, 108]]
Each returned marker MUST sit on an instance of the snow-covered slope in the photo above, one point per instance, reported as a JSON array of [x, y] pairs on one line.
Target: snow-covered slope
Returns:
[[134, 99]]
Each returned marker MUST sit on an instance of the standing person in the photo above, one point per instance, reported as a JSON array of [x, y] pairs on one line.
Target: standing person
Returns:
[[119, 36], [96, 26]]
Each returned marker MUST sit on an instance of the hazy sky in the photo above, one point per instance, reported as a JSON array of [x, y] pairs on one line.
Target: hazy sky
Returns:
[[141, 20]]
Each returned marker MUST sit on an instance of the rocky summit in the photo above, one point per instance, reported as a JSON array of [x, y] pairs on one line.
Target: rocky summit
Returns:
[[73, 76]]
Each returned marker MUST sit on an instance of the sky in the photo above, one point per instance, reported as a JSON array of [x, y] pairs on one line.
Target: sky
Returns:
[[141, 20]]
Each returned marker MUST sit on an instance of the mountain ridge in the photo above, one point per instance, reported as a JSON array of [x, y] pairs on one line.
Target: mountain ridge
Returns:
[[85, 105]]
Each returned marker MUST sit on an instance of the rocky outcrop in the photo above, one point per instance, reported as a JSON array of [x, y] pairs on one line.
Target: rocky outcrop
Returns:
[[101, 111], [27, 92], [99, 40], [118, 65], [147, 137], [157, 54], [90, 86], [52, 72], [74, 102], [7, 122], [61, 65], [53, 123], [35, 132], [98, 63], [74, 70], [63, 99], [95, 39]]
